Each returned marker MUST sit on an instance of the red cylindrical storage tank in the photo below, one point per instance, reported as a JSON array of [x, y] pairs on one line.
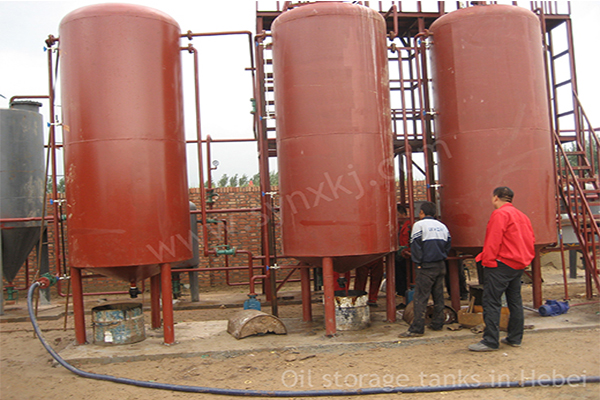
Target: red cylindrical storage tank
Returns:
[[492, 123], [126, 183], [334, 137]]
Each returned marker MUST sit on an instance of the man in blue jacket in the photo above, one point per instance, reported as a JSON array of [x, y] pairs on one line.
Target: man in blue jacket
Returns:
[[429, 247]]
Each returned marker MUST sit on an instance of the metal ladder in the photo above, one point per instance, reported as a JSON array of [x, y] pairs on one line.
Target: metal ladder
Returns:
[[576, 145]]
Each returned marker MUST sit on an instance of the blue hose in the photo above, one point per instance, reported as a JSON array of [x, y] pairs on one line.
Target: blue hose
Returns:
[[291, 393]]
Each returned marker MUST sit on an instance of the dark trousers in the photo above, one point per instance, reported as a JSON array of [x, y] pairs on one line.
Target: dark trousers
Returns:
[[502, 279], [401, 280], [429, 280]]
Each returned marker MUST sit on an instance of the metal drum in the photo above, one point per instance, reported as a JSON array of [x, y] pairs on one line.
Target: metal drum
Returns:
[[351, 310], [22, 179], [126, 183], [120, 323], [334, 136], [492, 122]]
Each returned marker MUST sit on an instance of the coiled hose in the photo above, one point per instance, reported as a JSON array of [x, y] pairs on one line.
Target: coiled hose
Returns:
[[291, 393]]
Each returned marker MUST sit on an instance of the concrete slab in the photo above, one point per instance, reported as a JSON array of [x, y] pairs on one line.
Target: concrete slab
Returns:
[[210, 338]]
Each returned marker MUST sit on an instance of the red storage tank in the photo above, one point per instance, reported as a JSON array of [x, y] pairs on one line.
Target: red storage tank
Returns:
[[334, 137], [126, 184], [493, 124]]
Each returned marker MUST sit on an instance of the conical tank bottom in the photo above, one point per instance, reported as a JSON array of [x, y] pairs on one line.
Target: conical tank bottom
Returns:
[[17, 243]]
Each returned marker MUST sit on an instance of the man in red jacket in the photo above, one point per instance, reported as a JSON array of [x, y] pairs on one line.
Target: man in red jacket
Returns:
[[508, 248]]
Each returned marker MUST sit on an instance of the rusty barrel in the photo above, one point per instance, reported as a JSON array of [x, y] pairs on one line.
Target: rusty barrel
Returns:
[[119, 323], [351, 310]]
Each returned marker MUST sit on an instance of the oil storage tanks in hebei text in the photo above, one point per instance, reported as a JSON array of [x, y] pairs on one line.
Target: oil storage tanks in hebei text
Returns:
[[492, 122], [334, 138], [126, 184]]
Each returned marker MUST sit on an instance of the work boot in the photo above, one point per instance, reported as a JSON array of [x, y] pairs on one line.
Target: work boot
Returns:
[[481, 347], [505, 341], [409, 334]]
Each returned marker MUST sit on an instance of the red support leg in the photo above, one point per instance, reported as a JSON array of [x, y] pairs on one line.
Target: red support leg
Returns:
[[78, 310], [328, 283], [306, 300], [536, 272], [453, 270], [155, 301], [167, 303], [390, 288]]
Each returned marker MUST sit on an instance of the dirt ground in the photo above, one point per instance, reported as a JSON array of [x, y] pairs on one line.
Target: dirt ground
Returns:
[[26, 370]]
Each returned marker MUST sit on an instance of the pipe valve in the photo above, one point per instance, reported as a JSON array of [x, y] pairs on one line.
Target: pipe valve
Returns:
[[134, 291]]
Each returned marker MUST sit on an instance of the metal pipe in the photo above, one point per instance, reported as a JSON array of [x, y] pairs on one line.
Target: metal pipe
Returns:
[[23, 97], [61, 294], [394, 11], [227, 210], [306, 297], [536, 269], [265, 186], [167, 303], [78, 310], [328, 293], [390, 288], [453, 271], [155, 301], [189, 141], [209, 167], [27, 219], [191, 35], [422, 91], [193, 51], [57, 253], [407, 148], [285, 280]]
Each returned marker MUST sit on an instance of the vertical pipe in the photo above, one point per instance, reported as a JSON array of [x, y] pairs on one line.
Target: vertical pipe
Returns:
[[328, 283], [167, 303], [78, 310], [155, 301], [424, 104], [306, 300], [407, 146], [265, 185], [57, 252], [536, 270], [194, 286], [390, 288], [192, 50], [208, 161]]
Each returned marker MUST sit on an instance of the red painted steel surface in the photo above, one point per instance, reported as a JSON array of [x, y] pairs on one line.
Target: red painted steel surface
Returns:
[[334, 139], [126, 184], [493, 126]]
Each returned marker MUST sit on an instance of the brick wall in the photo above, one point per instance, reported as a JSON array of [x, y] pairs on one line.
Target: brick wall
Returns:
[[242, 231]]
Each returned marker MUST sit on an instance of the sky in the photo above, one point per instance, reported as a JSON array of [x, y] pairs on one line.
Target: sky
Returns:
[[225, 86]]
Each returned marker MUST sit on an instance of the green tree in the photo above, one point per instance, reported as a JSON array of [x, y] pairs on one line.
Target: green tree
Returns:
[[273, 178], [256, 179], [223, 181], [243, 181], [233, 181], [60, 187]]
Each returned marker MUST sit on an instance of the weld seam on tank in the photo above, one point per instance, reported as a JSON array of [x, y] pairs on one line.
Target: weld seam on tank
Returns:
[[289, 393]]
